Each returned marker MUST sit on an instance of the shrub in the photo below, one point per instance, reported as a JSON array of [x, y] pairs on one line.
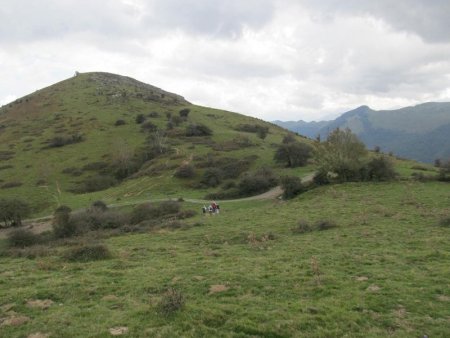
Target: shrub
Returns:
[[6, 155], [95, 218], [445, 221], [260, 181], [140, 118], [212, 177], [186, 214], [292, 186], [198, 130], [62, 226], [184, 112], [149, 126], [380, 169], [99, 205], [120, 122], [324, 224], [87, 253], [72, 171], [293, 154], [12, 211], [253, 128], [153, 114], [94, 166], [171, 302], [13, 184], [149, 211], [21, 238], [321, 178], [186, 170], [60, 141], [302, 227], [96, 183]]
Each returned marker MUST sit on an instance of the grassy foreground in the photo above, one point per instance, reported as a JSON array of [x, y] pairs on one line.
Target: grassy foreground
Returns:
[[383, 271]]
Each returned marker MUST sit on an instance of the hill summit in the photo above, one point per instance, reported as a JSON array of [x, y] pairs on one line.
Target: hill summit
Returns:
[[110, 137]]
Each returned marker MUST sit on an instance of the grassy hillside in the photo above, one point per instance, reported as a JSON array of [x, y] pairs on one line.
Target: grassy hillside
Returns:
[[382, 271], [87, 108]]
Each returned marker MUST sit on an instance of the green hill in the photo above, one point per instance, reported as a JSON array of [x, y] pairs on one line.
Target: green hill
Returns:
[[355, 259], [420, 132], [60, 143]]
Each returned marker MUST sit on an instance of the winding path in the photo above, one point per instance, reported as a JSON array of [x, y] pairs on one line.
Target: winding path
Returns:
[[41, 224]]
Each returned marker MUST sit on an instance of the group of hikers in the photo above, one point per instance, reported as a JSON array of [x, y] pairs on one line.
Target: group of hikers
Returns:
[[212, 209]]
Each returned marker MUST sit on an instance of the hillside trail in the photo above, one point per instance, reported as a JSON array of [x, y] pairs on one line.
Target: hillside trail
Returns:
[[41, 224]]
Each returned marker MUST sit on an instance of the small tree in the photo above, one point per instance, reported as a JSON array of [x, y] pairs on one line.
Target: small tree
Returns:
[[342, 154], [293, 154], [13, 211], [262, 133]]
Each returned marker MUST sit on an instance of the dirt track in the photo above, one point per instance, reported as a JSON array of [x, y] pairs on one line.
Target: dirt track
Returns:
[[42, 224]]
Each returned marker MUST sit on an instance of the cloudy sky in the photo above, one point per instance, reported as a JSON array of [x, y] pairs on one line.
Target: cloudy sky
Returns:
[[272, 59]]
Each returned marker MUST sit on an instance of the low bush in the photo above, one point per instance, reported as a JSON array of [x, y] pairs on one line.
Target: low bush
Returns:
[[149, 126], [148, 211], [140, 118], [186, 170], [99, 205], [95, 183], [153, 114], [324, 224], [445, 221], [321, 178], [7, 166], [184, 112], [171, 302], [96, 218], [120, 122], [60, 141], [6, 155], [380, 169], [292, 186], [62, 225], [258, 182], [12, 184], [186, 214], [95, 166], [87, 253], [22, 238], [302, 227], [212, 177], [73, 171], [198, 130]]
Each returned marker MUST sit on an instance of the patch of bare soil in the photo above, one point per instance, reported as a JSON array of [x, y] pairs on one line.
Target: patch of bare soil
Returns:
[[217, 288], [36, 227], [42, 304], [14, 320], [373, 288], [38, 335], [362, 278], [118, 331]]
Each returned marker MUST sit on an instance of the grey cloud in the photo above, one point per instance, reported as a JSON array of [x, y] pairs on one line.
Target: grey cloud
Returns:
[[217, 18], [428, 19]]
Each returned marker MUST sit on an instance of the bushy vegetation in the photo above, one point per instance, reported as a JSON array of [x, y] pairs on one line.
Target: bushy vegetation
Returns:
[[95, 183], [198, 129], [12, 184], [257, 182], [304, 226], [293, 154], [60, 141], [87, 253], [444, 171], [171, 302], [148, 211], [292, 186], [12, 211], [140, 118], [185, 170], [253, 128], [380, 168], [119, 122], [21, 238], [184, 112], [342, 154], [62, 225]]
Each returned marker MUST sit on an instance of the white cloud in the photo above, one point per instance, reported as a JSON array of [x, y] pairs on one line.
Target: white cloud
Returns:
[[273, 59]]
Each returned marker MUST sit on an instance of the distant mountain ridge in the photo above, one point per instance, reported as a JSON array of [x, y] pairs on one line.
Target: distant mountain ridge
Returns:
[[421, 132]]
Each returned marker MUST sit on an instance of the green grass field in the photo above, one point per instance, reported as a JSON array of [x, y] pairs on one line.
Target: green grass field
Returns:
[[383, 271]]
